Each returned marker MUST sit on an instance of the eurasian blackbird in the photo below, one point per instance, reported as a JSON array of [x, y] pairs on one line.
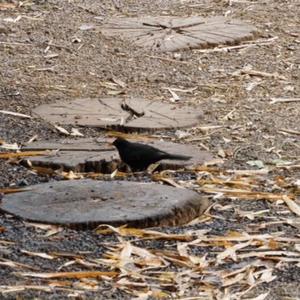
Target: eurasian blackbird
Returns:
[[139, 156]]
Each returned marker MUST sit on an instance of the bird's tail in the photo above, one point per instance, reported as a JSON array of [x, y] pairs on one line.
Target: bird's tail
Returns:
[[177, 157]]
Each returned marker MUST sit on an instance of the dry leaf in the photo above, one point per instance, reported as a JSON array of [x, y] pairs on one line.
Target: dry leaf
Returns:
[[266, 275], [244, 194], [169, 181], [41, 170], [51, 229], [61, 130], [11, 113], [38, 254], [12, 190], [260, 297], [14, 264], [6, 289], [231, 252], [233, 280], [9, 146], [293, 206], [146, 258], [174, 97], [145, 234], [9, 155], [121, 83], [251, 215], [221, 153], [71, 175], [77, 275], [75, 132], [7, 5]]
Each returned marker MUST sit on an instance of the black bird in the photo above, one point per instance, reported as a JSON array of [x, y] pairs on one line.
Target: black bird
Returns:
[[139, 156]]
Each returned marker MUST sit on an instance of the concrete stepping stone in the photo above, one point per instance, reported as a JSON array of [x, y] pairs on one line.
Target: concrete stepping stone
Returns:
[[96, 155], [168, 33], [116, 113], [87, 203]]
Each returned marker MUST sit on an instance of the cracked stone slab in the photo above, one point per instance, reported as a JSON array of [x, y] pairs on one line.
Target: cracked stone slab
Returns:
[[96, 155], [87, 203], [116, 113], [168, 33]]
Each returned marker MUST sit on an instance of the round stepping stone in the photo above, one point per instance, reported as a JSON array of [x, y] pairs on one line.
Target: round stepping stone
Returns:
[[94, 155], [88, 203], [166, 33], [116, 113], [79, 155]]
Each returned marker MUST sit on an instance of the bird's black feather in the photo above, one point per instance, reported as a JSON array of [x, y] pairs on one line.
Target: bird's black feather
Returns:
[[139, 156]]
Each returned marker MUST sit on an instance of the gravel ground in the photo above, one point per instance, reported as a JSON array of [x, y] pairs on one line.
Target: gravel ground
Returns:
[[250, 127]]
